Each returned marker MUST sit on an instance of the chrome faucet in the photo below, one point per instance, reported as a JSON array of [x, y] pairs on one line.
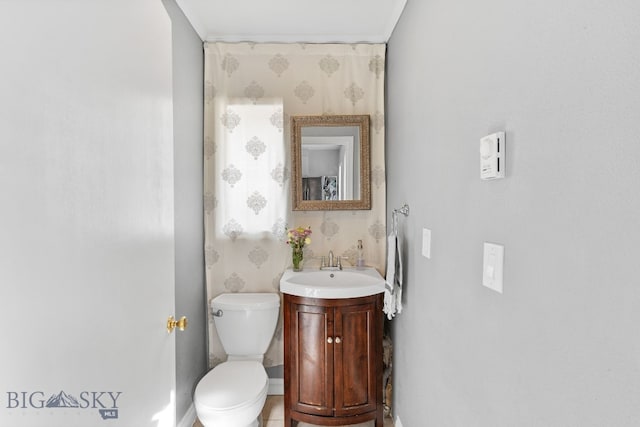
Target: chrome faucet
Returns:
[[332, 266]]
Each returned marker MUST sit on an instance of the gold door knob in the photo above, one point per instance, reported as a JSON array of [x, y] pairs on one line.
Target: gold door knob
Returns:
[[338, 340], [330, 340], [172, 323]]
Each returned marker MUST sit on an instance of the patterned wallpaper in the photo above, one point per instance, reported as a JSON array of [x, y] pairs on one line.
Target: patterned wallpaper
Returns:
[[244, 235]]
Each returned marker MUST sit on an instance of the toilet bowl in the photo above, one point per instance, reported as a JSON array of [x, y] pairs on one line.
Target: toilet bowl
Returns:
[[233, 393]]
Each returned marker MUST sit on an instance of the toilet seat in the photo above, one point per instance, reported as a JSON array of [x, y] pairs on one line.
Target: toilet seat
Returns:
[[231, 386]]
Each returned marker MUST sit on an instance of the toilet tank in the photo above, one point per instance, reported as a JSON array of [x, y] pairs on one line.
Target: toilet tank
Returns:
[[245, 323]]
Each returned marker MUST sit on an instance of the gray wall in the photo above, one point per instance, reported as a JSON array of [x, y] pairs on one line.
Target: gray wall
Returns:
[[191, 351], [561, 346]]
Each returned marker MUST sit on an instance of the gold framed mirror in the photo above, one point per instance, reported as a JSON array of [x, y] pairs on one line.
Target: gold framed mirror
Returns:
[[331, 167]]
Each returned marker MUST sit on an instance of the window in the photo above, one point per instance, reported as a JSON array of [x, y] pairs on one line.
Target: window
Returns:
[[250, 169]]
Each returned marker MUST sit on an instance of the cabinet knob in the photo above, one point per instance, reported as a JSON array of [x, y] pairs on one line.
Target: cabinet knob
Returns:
[[330, 340], [338, 340]]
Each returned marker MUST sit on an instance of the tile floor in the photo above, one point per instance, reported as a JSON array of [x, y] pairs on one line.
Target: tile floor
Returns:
[[273, 415]]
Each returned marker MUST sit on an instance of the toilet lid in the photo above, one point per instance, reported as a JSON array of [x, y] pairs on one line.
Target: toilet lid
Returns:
[[231, 385]]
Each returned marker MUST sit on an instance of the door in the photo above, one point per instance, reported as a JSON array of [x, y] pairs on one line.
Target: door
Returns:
[[86, 188], [311, 364], [355, 355]]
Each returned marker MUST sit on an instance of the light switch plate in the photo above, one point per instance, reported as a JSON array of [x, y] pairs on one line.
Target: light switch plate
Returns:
[[426, 243], [492, 266]]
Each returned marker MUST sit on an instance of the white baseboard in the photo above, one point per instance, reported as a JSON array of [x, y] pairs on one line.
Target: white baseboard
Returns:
[[189, 418], [276, 386], [398, 423]]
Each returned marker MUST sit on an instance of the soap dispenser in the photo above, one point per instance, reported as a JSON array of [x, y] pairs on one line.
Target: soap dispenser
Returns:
[[360, 256]]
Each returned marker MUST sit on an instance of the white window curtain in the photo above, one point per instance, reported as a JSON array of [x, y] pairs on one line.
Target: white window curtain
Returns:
[[249, 162], [251, 91]]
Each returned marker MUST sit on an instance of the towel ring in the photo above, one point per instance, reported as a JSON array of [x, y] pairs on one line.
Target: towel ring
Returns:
[[404, 210]]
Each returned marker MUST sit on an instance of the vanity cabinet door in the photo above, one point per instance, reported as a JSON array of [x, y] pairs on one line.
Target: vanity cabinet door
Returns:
[[310, 363], [355, 359]]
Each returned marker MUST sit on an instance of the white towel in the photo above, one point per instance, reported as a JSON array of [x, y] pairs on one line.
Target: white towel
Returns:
[[393, 285]]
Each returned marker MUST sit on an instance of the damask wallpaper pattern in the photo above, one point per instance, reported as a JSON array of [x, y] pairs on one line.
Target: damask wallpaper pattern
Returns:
[[247, 162]]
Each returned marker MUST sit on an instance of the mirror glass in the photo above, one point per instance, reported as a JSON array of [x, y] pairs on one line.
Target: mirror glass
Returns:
[[330, 162]]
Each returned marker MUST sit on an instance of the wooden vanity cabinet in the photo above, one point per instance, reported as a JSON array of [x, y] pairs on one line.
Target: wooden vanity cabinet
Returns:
[[333, 360]]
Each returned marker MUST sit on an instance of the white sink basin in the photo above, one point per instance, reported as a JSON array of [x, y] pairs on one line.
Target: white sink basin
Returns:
[[330, 284]]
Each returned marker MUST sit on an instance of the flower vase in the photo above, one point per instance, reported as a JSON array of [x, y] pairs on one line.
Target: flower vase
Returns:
[[297, 258]]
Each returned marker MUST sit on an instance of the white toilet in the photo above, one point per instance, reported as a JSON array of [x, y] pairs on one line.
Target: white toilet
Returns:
[[233, 393]]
